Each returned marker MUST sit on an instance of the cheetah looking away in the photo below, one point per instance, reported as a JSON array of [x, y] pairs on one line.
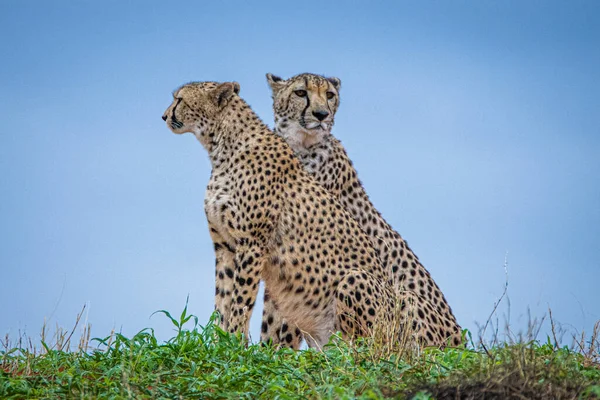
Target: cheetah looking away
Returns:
[[304, 108], [270, 220]]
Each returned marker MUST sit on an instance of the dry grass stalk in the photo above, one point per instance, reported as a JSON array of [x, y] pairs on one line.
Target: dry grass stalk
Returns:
[[396, 335], [589, 348], [494, 311]]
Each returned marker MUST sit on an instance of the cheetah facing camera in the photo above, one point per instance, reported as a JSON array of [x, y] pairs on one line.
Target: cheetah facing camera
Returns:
[[304, 107], [270, 220]]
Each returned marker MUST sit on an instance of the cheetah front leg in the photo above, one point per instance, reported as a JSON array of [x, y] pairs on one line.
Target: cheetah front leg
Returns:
[[248, 267], [275, 329], [224, 273]]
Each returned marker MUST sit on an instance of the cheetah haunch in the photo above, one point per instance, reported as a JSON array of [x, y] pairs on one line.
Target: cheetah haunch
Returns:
[[270, 220], [304, 107]]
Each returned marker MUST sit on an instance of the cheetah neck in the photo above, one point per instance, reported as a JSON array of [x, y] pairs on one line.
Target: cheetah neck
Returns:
[[299, 139], [331, 166], [234, 131]]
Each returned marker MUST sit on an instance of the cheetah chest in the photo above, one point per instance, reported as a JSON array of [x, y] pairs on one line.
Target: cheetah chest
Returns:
[[218, 205]]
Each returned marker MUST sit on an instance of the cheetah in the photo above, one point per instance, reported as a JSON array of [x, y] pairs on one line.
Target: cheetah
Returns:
[[269, 220], [304, 107]]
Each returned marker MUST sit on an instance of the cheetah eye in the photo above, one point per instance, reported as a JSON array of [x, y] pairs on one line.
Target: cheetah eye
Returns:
[[300, 93], [330, 95]]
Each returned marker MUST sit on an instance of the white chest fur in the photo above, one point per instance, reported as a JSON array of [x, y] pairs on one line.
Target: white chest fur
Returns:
[[218, 206]]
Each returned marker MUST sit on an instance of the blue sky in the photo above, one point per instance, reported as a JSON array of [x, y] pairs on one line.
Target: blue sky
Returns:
[[474, 126]]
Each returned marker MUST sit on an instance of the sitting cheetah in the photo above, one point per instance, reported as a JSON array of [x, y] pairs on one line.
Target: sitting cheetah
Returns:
[[304, 107], [270, 220]]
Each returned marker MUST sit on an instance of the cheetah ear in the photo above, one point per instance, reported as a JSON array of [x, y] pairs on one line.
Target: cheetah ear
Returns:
[[336, 82], [275, 82], [224, 92]]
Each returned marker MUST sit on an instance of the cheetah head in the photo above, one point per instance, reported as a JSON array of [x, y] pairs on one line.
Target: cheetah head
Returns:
[[196, 108], [304, 106]]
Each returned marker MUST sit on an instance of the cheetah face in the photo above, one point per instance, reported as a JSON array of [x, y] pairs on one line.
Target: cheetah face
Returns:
[[304, 106], [196, 107]]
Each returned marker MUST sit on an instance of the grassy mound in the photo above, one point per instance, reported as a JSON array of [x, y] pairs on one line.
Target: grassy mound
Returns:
[[207, 363]]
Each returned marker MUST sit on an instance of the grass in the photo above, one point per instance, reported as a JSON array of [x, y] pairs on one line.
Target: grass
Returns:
[[205, 362]]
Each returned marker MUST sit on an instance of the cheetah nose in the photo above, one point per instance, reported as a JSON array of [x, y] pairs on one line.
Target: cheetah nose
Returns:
[[164, 117], [320, 115]]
